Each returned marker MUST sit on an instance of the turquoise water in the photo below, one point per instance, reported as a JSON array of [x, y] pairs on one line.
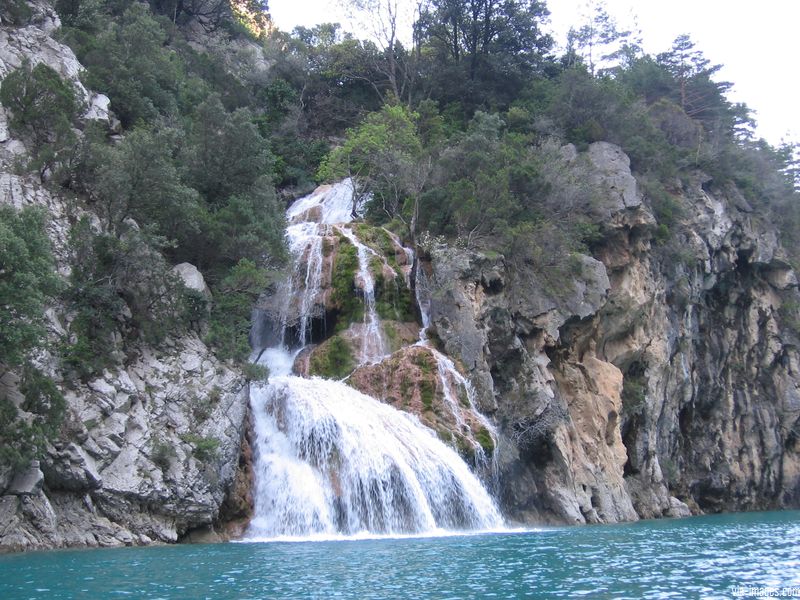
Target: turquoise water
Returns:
[[701, 557]]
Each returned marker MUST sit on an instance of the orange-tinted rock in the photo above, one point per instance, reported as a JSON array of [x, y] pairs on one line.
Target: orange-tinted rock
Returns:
[[409, 380]]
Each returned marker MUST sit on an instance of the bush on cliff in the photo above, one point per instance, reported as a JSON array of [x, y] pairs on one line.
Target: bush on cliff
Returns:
[[28, 281]]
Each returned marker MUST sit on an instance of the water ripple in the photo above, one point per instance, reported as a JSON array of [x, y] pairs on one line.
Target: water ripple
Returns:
[[702, 557]]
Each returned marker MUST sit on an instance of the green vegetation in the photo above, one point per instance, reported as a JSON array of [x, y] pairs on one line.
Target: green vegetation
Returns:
[[634, 394], [254, 372], [333, 359], [16, 12], [26, 429], [350, 308], [203, 406], [789, 312], [383, 154], [465, 448], [427, 382], [204, 449], [484, 438], [427, 393], [440, 141], [43, 110], [476, 158], [27, 283], [229, 326], [162, 454], [460, 136], [117, 283], [393, 299], [191, 180], [379, 240]]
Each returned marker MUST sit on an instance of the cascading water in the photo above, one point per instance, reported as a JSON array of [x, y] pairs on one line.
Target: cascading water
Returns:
[[372, 345], [329, 460], [334, 461]]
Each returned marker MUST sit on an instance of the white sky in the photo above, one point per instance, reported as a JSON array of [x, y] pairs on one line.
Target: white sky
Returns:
[[757, 42]]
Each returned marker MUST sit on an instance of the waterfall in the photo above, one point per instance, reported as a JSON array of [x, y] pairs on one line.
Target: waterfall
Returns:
[[334, 461], [329, 460]]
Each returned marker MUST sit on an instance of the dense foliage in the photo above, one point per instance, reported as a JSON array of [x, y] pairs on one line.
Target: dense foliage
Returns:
[[27, 283]]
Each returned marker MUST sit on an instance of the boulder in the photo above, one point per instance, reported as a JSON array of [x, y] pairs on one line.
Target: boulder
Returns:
[[192, 278]]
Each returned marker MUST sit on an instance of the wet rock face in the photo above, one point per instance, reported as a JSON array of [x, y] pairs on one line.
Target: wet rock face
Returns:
[[655, 382]]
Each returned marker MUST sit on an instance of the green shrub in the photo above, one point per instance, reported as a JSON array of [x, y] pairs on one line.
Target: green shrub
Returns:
[[15, 12], [789, 312], [120, 287], [194, 308], [27, 281], [254, 372], [130, 61], [229, 325], [204, 449], [393, 299], [427, 393], [24, 436], [484, 438], [162, 454], [43, 106], [634, 394]]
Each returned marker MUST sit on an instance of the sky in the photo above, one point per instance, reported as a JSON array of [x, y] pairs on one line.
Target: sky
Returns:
[[758, 43]]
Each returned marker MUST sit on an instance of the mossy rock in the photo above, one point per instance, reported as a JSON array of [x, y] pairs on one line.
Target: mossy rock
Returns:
[[380, 241], [393, 299], [345, 298], [425, 361], [484, 438], [427, 393], [333, 359], [399, 334]]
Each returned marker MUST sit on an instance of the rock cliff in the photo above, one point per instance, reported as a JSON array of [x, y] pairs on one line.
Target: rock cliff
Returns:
[[148, 451], [661, 379]]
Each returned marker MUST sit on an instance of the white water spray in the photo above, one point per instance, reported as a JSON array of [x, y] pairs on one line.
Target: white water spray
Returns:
[[332, 460]]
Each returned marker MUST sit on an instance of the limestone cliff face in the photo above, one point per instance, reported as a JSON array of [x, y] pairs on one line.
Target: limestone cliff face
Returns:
[[662, 379], [148, 451]]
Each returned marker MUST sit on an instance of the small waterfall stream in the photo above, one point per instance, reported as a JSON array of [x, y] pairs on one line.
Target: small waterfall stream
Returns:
[[328, 460], [373, 347]]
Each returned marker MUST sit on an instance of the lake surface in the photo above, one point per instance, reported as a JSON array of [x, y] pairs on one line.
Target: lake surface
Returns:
[[700, 557]]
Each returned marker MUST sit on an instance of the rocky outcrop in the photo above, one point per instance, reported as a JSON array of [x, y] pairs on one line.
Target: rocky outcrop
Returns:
[[661, 378], [34, 44], [413, 380], [148, 453]]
